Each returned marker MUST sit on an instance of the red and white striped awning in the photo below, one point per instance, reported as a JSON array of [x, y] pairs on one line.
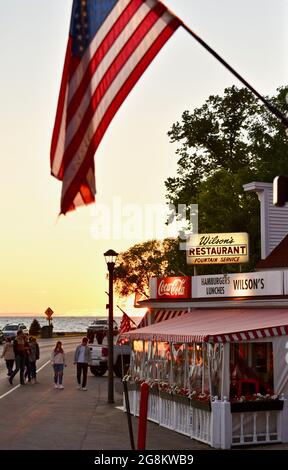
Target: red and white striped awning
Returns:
[[215, 325], [160, 315]]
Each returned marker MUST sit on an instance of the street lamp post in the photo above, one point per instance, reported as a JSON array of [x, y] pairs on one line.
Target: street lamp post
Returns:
[[110, 258]]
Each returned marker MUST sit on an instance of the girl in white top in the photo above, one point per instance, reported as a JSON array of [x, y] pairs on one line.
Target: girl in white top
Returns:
[[58, 363], [8, 354]]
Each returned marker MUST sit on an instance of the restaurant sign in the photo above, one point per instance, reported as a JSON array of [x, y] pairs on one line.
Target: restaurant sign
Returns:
[[217, 248], [174, 287], [238, 285]]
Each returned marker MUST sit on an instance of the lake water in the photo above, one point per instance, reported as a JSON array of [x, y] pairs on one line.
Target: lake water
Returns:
[[65, 324]]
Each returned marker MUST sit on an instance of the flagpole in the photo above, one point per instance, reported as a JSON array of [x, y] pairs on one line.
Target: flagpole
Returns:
[[269, 105]]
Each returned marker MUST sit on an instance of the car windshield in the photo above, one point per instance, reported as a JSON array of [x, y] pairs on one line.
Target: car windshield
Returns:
[[103, 323]]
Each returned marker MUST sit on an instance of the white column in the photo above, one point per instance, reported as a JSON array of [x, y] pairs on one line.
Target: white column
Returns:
[[216, 423], [282, 423], [225, 381], [226, 425]]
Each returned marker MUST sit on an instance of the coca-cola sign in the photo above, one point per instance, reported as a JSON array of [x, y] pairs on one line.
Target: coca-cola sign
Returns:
[[174, 287]]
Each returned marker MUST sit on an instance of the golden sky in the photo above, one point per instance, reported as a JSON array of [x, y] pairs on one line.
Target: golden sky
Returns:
[[46, 261]]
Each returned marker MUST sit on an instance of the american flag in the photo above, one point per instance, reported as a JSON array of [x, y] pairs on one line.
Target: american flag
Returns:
[[110, 45], [126, 324]]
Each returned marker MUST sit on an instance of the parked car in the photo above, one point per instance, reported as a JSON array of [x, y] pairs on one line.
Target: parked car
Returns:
[[101, 324], [99, 328], [1, 337], [11, 329], [99, 359]]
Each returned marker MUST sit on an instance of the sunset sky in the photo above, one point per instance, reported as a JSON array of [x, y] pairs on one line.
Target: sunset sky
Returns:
[[58, 262]]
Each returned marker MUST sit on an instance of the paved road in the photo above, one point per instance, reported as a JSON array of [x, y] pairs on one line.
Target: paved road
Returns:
[[39, 417]]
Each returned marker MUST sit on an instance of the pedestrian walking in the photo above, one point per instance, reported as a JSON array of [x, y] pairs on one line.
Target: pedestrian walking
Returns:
[[19, 351], [82, 358], [27, 369], [33, 357], [58, 363], [8, 355]]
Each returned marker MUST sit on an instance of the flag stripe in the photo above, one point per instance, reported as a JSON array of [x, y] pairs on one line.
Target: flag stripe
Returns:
[[110, 83], [61, 108], [58, 147], [126, 324], [85, 157]]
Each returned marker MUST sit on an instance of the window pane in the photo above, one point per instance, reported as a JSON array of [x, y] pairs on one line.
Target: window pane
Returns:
[[251, 368]]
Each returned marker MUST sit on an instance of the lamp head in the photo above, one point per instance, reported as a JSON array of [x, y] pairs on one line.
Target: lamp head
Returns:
[[110, 257]]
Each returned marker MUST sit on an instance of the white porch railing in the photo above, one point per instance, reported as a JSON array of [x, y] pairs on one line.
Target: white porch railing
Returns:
[[182, 424], [255, 428], [153, 408], [200, 423], [166, 413], [134, 402], [185, 419], [174, 415], [219, 427], [262, 427]]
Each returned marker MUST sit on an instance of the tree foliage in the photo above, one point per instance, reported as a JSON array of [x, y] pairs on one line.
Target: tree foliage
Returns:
[[35, 328], [140, 262], [230, 141]]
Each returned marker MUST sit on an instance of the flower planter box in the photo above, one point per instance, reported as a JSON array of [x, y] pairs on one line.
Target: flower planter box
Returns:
[[259, 405], [181, 399], [137, 386], [175, 397], [166, 396], [201, 405]]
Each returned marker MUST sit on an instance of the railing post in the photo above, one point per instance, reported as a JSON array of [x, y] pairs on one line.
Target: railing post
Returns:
[[283, 422], [226, 424], [215, 423]]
